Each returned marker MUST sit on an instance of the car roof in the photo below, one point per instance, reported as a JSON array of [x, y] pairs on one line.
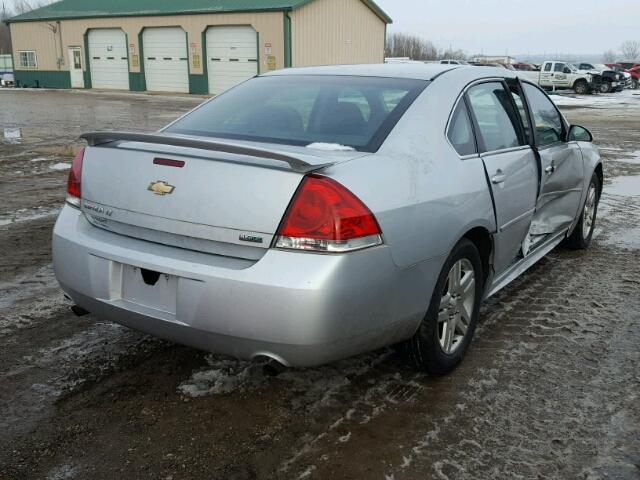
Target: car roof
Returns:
[[427, 72], [417, 71]]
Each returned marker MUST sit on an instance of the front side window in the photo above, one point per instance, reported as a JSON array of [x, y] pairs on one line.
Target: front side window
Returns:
[[549, 126], [496, 117], [559, 67], [357, 112], [460, 132], [28, 59]]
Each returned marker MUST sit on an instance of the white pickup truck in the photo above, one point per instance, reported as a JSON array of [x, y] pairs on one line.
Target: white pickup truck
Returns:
[[562, 75]]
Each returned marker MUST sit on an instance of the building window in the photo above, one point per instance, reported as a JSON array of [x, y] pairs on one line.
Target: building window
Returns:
[[28, 59]]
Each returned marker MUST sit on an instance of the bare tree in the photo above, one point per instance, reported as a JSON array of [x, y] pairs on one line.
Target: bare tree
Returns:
[[630, 50], [417, 48], [609, 56], [5, 35]]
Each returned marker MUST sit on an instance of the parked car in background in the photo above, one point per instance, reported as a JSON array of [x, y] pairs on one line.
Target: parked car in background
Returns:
[[7, 80], [612, 81], [635, 76], [526, 67], [494, 65], [627, 77], [307, 225], [453, 62], [556, 74]]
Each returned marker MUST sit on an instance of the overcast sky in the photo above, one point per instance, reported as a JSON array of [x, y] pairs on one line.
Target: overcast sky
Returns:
[[495, 27], [519, 26]]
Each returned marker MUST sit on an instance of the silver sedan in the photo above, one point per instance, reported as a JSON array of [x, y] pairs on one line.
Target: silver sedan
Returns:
[[312, 214]]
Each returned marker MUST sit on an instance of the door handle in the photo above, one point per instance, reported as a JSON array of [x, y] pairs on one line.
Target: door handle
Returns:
[[498, 178], [550, 169]]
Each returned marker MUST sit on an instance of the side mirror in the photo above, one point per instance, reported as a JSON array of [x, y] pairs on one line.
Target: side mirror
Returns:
[[579, 134], [566, 70]]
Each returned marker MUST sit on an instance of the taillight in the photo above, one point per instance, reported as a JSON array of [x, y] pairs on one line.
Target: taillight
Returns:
[[74, 190], [326, 217]]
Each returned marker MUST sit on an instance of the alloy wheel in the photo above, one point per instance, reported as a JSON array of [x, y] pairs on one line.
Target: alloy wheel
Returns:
[[456, 306], [589, 214]]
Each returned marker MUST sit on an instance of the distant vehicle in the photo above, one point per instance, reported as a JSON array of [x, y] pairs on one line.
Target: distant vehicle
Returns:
[[627, 77], [380, 207], [562, 75], [400, 60], [612, 81], [6, 70], [526, 67], [635, 77], [7, 80], [453, 62], [495, 65]]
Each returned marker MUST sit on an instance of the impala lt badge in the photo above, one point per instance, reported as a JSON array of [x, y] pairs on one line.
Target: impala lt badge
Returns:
[[161, 188]]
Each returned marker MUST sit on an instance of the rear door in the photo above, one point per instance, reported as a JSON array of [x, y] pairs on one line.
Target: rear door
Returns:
[[510, 165], [561, 166]]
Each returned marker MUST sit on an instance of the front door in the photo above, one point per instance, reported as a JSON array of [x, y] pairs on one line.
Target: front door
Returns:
[[561, 167], [75, 67], [510, 165], [560, 75]]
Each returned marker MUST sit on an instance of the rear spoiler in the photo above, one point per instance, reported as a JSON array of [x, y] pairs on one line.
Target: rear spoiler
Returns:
[[95, 139]]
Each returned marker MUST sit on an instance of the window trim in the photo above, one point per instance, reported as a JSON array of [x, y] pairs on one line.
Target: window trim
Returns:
[[35, 59], [449, 126], [482, 148], [565, 124]]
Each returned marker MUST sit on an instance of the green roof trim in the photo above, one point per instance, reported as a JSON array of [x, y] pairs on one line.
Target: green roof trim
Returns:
[[72, 9]]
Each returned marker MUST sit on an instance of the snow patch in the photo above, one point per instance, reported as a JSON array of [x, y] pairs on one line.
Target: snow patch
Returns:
[[330, 147], [223, 375], [60, 166], [28, 214]]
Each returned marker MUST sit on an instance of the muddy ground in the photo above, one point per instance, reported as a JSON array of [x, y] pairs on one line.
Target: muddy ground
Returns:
[[549, 389]]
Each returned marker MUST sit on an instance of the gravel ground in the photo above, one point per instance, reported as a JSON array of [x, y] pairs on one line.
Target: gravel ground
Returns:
[[549, 389]]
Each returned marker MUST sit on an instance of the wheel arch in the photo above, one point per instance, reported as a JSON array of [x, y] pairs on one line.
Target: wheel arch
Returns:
[[481, 238], [599, 171]]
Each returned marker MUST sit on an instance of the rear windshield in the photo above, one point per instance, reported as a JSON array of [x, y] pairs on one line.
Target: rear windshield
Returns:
[[357, 112]]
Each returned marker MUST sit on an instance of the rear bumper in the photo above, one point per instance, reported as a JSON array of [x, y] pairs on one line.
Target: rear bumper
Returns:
[[299, 308]]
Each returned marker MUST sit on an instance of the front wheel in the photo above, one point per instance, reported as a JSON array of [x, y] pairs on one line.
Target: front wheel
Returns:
[[583, 233], [446, 330]]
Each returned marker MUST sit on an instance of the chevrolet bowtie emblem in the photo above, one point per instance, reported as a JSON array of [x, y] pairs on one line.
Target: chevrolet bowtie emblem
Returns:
[[161, 188]]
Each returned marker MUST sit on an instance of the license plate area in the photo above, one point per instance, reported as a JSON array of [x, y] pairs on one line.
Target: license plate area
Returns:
[[150, 289]]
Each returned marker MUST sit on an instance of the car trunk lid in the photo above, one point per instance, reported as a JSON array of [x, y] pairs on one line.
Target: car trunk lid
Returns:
[[224, 198]]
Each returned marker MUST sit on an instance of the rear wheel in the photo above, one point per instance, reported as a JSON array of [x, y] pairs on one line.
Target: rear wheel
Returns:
[[583, 233], [447, 328], [581, 87]]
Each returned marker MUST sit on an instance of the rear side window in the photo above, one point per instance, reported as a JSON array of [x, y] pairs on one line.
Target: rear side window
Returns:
[[497, 120], [548, 122], [547, 67], [358, 112], [460, 132]]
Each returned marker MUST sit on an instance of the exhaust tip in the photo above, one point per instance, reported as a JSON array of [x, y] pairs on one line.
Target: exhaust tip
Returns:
[[79, 311], [271, 366]]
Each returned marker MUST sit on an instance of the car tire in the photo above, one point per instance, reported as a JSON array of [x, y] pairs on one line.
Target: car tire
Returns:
[[581, 87], [447, 329], [605, 87], [583, 232]]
